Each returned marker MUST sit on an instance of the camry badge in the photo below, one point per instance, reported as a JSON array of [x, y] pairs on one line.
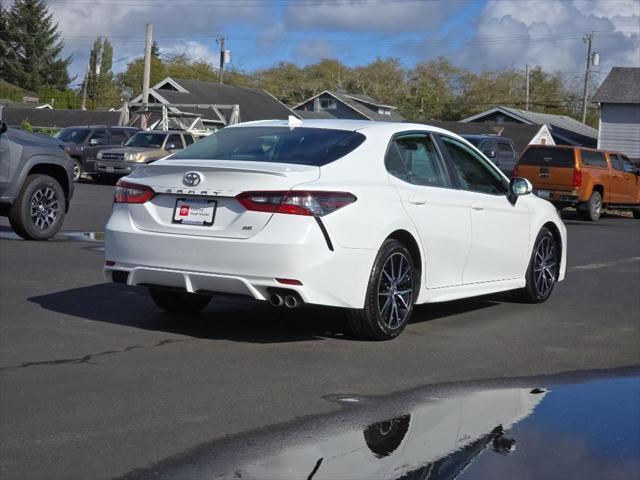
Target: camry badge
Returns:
[[191, 179]]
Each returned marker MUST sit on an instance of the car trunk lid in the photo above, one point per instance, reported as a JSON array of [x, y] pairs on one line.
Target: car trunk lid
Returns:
[[220, 182], [548, 168]]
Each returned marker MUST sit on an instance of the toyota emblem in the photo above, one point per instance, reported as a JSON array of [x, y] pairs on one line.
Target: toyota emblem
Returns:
[[191, 179]]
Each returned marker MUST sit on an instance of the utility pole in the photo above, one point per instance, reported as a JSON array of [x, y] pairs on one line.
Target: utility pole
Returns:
[[588, 39], [526, 101], [84, 88], [220, 41], [147, 74]]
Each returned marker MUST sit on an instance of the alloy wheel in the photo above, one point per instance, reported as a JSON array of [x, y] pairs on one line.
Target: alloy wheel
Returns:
[[544, 268], [44, 208], [596, 207], [395, 290], [77, 170]]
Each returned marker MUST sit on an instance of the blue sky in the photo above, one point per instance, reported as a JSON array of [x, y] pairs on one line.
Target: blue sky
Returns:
[[477, 34]]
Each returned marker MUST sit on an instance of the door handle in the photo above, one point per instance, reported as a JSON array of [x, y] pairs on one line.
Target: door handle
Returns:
[[417, 200], [477, 206]]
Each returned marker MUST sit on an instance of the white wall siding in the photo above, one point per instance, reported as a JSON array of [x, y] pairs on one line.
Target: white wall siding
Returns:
[[620, 128]]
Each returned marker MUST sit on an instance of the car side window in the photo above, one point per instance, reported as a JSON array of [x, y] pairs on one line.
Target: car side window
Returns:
[[188, 139], [118, 137], [415, 158], [175, 140], [627, 165], [593, 159], [474, 175], [99, 137], [616, 162]]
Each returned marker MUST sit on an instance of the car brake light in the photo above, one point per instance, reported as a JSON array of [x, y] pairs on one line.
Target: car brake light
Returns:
[[310, 203], [577, 177], [126, 192]]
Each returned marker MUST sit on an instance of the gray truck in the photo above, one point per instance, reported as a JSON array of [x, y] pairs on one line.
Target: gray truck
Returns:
[[36, 183]]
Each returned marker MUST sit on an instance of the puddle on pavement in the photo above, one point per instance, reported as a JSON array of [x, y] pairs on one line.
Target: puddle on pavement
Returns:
[[575, 431], [61, 236]]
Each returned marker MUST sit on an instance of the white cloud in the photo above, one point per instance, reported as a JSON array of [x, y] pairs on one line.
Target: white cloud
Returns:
[[549, 33], [374, 17]]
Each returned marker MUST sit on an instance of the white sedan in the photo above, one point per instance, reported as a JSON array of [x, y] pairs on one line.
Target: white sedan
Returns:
[[370, 216]]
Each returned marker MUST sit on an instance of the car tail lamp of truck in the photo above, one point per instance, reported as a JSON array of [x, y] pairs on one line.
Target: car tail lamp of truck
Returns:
[[309, 203], [127, 192], [577, 177]]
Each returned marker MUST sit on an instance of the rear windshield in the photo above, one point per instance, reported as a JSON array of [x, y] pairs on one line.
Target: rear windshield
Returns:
[[548, 157], [302, 146]]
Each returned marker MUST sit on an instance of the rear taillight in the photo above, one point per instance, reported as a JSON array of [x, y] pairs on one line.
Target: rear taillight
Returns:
[[126, 192], [577, 177], [310, 203]]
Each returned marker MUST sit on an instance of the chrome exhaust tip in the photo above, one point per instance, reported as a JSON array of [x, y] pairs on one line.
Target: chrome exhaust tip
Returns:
[[291, 301], [276, 300]]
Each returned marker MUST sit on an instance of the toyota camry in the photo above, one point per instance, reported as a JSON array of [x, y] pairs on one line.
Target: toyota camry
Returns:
[[373, 217]]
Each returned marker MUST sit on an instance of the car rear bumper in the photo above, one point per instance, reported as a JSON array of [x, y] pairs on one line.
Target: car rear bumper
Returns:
[[289, 247], [563, 198]]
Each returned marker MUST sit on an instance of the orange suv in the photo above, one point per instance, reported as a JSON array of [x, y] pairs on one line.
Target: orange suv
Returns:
[[587, 179]]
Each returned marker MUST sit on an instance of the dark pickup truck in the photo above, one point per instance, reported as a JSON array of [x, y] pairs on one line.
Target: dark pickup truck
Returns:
[[82, 144]]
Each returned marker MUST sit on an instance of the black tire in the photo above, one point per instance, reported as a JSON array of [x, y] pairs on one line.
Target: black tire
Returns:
[[592, 209], [39, 210], [78, 169], [178, 302], [537, 289], [372, 323]]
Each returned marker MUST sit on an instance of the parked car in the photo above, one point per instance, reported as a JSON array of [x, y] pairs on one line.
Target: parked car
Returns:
[[143, 147], [500, 150], [587, 179], [82, 144], [36, 183], [317, 212]]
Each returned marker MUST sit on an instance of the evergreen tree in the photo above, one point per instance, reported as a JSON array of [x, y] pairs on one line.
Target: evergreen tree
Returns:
[[34, 47]]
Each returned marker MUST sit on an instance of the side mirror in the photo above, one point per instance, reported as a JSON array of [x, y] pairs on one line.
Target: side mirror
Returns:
[[3, 127], [520, 186], [170, 146], [96, 141], [489, 153]]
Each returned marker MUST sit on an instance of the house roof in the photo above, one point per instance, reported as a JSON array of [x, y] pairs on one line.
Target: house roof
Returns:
[[355, 102], [520, 133], [310, 114], [622, 85], [559, 121], [254, 104], [58, 118]]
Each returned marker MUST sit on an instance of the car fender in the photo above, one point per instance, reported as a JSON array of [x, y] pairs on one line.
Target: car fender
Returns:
[[40, 159]]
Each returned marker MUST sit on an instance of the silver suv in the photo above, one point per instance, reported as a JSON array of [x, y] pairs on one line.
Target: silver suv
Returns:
[[36, 183]]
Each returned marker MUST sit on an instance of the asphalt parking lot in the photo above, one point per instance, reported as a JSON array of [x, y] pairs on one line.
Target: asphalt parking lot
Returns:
[[95, 382]]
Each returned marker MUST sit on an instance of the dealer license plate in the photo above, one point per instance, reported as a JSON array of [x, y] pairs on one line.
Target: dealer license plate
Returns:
[[194, 211]]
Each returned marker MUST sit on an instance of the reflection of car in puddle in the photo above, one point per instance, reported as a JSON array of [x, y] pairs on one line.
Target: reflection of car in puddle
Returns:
[[438, 440]]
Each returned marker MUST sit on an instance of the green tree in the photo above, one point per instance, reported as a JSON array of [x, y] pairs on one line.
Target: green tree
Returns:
[[34, 47]]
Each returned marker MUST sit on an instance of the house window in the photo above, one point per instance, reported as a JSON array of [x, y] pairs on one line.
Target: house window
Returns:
[[328, 104]]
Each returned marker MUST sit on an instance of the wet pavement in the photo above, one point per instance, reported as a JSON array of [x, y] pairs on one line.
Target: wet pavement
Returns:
[[584, 430]]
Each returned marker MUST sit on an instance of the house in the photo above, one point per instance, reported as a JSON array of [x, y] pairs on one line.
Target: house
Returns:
[[619, 99], [215, 104], [522, 134], [56, 117], [564, 130], [349, 106]]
